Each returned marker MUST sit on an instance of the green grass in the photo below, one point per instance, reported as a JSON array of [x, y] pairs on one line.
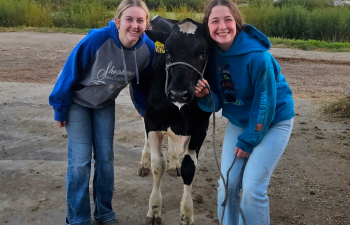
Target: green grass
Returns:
[[310, 45], [299, 19], [182, 12], [179, 16], [45, 29], [177, 13]]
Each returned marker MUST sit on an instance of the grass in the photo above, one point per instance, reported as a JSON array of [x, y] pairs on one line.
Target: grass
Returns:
[[177, 13], [179, 16], [339, 109], [309, 45], [45, 29], [182, 12]]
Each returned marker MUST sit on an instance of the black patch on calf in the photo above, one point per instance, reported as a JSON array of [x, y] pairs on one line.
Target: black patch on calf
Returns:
[[188, 170]]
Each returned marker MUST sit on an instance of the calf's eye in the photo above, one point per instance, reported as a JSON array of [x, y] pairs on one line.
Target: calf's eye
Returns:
[[167, 54], [203, 55]]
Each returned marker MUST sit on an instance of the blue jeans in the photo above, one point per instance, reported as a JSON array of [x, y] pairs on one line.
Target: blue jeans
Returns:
[[90, 131], [257, 173]]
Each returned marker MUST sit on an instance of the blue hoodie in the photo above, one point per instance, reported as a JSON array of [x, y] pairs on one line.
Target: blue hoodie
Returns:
[[98, 68], [262, 95]]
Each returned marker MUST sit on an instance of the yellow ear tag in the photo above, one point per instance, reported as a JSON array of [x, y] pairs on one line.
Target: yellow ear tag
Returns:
[[160, 47]]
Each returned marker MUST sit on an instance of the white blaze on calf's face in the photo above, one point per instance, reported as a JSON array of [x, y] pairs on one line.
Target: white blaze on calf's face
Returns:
[[179, 105], [188, 28]]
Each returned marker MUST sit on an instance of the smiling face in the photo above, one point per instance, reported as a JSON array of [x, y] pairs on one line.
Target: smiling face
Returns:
[[222, 27], [131, 25]]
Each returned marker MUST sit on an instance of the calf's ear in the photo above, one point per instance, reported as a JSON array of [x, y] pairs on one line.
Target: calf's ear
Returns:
[[156, 35]]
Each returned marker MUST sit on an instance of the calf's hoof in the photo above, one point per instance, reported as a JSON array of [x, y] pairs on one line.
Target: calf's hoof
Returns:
[[153, 221], [175, 172], [186, 221], [142, 172]]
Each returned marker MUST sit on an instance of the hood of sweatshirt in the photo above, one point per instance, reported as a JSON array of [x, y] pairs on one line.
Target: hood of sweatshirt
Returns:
[[249, 40]]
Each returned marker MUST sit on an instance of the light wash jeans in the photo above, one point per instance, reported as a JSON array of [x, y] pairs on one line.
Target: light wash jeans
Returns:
[[257, 173], [90, 131]]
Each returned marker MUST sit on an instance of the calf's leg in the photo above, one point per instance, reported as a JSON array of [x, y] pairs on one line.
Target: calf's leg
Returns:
[[158, 165], [188, 169], [145, 163], [173, 158]]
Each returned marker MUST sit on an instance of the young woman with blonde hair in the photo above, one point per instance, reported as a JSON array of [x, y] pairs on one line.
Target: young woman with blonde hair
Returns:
[[83, 99]]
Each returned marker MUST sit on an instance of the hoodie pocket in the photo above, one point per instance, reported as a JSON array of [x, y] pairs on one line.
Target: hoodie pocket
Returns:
[[93, 96]]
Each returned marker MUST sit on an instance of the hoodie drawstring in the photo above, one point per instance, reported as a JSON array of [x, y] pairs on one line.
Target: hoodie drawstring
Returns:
[[124, 66], [136, 69]]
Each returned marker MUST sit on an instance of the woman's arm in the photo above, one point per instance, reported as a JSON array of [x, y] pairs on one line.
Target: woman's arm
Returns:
[[262, 111]]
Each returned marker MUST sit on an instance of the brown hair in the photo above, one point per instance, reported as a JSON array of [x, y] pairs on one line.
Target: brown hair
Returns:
[[231, 6], [129, 3]]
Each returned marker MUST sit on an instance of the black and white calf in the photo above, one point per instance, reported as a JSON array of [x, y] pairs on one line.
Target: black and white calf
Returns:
[[181, 49]]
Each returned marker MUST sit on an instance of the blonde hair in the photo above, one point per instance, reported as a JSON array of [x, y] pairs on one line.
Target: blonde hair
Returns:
[[129, 3], [231, 6]]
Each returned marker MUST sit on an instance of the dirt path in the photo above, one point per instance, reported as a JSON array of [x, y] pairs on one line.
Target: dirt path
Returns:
[[311, 184]]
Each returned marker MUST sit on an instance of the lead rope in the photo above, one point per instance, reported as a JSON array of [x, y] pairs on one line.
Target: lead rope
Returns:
[[237, 196], [167, 66]]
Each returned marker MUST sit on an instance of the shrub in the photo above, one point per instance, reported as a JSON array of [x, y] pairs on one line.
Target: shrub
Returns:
[[83, 15], [24, 12], [11, 13], [294, 19], [177, 13], [330, 24], [196, 5], [182, 12], [36, 15], [111, 4], [259, 3], [161, 11], [297, 22], [308, 4]]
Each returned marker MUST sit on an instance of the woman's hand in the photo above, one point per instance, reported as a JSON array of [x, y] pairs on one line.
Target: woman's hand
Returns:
[[240, 153], [200, 90], [61, 123]]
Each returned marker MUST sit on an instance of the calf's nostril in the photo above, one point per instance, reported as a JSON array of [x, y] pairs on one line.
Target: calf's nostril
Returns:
[[180, 96]]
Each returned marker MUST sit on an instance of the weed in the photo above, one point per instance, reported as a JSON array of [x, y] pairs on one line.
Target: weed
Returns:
[[339, 109]]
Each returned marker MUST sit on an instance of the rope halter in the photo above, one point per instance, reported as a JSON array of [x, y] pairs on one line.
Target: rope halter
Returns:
[[167, 67]]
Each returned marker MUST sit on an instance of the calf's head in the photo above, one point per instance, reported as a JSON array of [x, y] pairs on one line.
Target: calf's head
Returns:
[[186, 54]]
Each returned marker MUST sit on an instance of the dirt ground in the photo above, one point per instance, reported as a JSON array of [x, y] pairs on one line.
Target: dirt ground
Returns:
[[311, 184]]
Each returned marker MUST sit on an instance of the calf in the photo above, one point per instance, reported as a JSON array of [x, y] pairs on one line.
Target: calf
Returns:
[[181, 49]]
